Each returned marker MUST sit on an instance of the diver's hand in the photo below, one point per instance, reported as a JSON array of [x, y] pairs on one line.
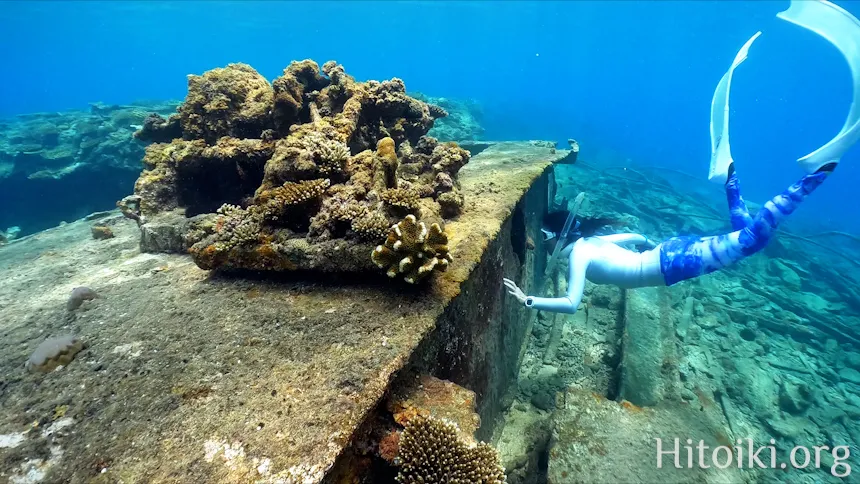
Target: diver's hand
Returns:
[[515, 291]]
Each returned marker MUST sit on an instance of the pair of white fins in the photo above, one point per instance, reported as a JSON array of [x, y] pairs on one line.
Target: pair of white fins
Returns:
[[838, 27]]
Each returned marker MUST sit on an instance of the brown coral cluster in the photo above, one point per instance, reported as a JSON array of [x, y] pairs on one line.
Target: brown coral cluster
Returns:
[[413, 251], [233, 101], [431, 451], [313, 163]]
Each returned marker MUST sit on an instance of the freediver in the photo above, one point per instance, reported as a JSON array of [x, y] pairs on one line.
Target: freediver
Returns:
[[603, 260]]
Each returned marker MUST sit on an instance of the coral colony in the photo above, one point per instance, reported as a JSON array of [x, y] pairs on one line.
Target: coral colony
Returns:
[[314, 165]]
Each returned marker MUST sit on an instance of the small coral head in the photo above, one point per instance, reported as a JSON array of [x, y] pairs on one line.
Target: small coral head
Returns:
[[412, 250]]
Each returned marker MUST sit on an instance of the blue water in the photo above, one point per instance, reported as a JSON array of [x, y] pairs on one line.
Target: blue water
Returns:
[[636, 78]]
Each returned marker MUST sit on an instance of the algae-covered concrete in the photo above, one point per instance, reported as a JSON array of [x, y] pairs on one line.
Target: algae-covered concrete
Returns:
[[190, 377], [649, 367]]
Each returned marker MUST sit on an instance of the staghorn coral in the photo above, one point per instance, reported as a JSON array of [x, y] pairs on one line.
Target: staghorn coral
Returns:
[[310, 172], [412, 250], [231, 101], [431, 451]]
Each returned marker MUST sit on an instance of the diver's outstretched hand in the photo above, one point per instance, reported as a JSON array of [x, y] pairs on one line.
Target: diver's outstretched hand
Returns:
[[515, 291]]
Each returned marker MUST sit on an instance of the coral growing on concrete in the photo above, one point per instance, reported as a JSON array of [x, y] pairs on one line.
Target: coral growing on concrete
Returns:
[[431, 451], [54, 352], [413, 251], [312, 164], [78, 296]]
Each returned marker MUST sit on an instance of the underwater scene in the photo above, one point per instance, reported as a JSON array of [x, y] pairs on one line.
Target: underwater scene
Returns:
[[430, 242]]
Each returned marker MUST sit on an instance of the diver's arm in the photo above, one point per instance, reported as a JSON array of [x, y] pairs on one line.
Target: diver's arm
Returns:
[[622, 239], [580, 257]]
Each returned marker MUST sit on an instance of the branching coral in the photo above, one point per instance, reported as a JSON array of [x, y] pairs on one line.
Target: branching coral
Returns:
[[236, 226], [451, 203], [371, 226], [431, 451], [277, 203], [401, 199], [310, 151], [413, 251]]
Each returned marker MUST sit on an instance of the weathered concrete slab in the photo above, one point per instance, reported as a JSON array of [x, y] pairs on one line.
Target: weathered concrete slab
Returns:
[[649, 366], [193, 378]]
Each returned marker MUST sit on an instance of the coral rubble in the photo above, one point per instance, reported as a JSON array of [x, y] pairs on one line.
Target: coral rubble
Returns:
[[312, 171]]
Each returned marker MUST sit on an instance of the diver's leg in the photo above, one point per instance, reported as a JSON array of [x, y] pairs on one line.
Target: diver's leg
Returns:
[[740, 216], [754, 237], [683, 258]]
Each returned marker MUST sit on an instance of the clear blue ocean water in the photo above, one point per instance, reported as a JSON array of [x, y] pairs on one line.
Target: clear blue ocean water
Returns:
[[633, 77]]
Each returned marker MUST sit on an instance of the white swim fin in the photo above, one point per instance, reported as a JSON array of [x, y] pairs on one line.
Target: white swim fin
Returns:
[[841, 29], [721, 154]]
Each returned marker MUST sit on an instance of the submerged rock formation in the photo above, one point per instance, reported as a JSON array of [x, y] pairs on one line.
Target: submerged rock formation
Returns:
[[312, 171], [50, 161], [463, 120]]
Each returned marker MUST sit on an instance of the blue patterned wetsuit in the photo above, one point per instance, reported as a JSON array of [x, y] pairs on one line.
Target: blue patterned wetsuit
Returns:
[[683, 258], [602, 260]]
